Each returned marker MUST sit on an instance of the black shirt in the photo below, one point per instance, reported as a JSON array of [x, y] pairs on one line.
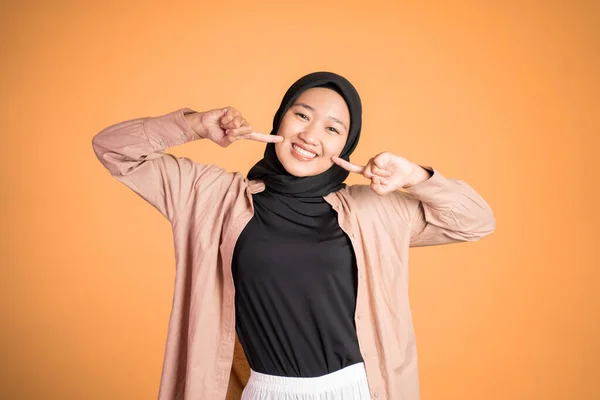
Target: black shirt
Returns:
[[296, 282]]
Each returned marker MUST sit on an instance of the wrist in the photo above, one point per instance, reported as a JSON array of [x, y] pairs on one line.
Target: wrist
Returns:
[[194, 121], [419, 175]]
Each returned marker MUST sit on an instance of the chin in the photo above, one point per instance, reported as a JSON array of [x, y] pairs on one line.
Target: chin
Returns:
[[298, 172], [301, 171]]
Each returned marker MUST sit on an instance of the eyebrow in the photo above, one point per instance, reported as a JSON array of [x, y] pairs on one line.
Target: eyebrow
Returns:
[[313, 109]]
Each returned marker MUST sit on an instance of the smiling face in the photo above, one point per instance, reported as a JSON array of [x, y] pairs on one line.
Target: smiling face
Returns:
[[314, 128]]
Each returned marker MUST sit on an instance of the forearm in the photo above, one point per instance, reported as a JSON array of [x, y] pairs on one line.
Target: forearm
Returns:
[[134, 153], [453, 206], [122, 146]]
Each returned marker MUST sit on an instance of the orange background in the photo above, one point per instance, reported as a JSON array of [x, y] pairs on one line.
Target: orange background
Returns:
[[501, 94]]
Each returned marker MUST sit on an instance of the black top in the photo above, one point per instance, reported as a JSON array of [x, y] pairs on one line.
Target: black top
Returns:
[[296, 282]]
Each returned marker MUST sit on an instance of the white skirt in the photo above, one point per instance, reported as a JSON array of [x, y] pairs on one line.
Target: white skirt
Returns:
[[349, 383]]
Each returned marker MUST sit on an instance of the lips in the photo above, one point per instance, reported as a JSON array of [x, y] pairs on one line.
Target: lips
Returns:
[[303, 152]]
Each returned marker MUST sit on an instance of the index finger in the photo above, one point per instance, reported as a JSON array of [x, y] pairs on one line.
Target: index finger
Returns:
[[348, 166], [262, 137]]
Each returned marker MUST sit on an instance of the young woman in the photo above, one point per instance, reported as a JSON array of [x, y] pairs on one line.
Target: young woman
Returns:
[[312, 275]]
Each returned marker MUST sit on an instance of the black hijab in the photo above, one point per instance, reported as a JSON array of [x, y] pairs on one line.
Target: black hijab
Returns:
[[270, 170]]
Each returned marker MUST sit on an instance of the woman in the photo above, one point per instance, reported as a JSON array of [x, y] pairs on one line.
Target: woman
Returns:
[[311, 275]]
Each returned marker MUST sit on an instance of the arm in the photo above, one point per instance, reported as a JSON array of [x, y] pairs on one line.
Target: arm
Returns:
[[133, 152], [441, 211], [437, 210]]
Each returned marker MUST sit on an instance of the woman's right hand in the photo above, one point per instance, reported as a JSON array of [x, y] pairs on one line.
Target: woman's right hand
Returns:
[[226, 125]]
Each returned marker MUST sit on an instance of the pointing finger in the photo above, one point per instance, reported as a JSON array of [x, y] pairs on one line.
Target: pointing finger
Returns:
[[262, 137], [239, 133], [348, 166], [367, 173]]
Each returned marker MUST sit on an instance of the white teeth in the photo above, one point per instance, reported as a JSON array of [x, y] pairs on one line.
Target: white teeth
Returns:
[[303, 152]]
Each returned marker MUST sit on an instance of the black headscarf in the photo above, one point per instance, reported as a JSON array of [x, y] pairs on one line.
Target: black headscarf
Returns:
[[270, 170]]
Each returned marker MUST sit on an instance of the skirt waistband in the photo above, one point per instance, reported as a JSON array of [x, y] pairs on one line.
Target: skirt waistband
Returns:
[[348, 375]]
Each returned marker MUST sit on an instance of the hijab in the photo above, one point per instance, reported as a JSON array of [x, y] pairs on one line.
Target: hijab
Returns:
[[271, 171]]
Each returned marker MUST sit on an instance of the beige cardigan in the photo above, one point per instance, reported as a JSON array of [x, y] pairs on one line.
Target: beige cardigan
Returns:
[[208, 207]]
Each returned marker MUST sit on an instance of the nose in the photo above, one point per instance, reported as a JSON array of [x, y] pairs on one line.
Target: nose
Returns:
[[309, 136]]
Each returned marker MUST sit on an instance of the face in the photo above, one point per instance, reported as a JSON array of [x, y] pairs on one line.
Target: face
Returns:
[[314, 128]]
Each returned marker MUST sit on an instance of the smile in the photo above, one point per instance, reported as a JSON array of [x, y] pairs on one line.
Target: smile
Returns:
[[301, 153]]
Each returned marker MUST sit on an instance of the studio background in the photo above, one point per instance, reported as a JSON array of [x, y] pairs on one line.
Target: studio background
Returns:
[[503, 95]]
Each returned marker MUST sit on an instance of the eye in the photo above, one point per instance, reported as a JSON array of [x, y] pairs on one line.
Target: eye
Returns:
[[332, 129], [302, 116]]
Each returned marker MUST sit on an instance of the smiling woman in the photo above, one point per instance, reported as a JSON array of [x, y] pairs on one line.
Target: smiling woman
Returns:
[[309, 273], [320, 114]]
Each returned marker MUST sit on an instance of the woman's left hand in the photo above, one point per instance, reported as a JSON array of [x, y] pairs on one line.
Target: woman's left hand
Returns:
[[387, 172]]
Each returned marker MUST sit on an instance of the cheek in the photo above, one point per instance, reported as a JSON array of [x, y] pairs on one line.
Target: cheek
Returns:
[[334, 146], [286, 127]]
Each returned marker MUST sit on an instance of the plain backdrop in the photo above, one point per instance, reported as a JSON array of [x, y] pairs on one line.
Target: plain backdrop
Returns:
[[503, 95]]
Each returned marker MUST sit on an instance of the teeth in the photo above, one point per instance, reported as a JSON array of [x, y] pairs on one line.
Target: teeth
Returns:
[[304, 152]]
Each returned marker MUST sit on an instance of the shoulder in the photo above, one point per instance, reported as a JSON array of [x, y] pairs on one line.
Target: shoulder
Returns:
[[212, 174], [211, 180]]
